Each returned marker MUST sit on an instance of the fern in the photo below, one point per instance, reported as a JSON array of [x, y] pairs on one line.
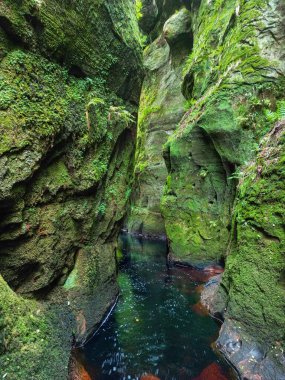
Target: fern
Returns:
[[281, 110], [270, 115], [102, 209], [94, 102], [278, 115]]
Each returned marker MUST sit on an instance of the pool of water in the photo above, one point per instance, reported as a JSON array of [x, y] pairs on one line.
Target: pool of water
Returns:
[[157, 327]]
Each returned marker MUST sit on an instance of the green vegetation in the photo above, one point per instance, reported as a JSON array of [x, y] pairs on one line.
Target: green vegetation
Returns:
[[70, 76], [139, 6], [102, 209], [231, 94], [257, 257], [26, 333], [278, 115]]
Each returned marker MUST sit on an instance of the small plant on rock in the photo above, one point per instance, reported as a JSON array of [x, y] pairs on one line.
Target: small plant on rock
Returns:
[[278, 115]]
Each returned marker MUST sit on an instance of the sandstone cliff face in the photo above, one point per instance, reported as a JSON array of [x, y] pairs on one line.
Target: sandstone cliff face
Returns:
[[234, 80], [70, 82]]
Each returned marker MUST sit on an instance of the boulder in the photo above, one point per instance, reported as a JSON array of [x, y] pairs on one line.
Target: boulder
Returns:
[[177, 26]]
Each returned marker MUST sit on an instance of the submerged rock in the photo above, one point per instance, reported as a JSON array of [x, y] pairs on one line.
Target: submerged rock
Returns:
[[212, 372], [200, 309], [78, 372], [149, 377]]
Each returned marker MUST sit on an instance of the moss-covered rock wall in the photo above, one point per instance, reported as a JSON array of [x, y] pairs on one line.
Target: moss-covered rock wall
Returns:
[[234, 73], [252, 287], [222, 176], [208, 166], [224, 185], [70, 82]]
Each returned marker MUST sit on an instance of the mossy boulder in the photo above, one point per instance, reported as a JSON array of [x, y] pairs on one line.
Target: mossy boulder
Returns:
[[178, 26], [156, 54], [31, 338]]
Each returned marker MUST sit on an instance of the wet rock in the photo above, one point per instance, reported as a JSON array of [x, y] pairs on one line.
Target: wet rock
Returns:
[[177, 26], [252, 360], [214, 269], [232, 346], [213, 297]]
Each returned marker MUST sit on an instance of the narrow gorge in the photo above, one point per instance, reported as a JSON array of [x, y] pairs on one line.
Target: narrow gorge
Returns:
[[155, 127]]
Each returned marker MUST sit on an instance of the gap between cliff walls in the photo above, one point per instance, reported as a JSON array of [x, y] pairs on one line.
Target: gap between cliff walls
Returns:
[[169, 40]]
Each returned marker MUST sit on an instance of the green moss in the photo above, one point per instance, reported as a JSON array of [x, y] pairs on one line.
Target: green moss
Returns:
[[149, 104], [229, 83], [221, 58], [26, 331], [40, 99], [219, 45], [257, 251], [67, 135], [139, 7], [51, 180]]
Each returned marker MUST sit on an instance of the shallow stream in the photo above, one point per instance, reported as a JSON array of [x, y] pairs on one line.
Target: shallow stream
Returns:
[[158, 327]]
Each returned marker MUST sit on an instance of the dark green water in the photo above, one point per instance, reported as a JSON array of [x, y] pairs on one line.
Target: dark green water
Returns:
[[154, 329]]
